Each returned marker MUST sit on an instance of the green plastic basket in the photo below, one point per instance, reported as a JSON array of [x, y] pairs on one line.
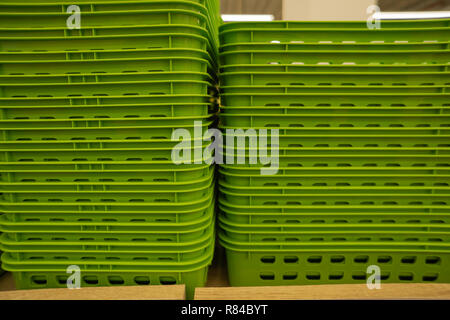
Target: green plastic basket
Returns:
[[29, 20], [311, 31], [291, 178], [114, 78], [44, 25], [155, 257], [326, 130], [342, 89], [363, 173], [127, 181], [89, 219], [323, 119], [378, 79], [105, 221], [86, 175], [339, 110], [8, 224], [116, 100], [99, 5], [350, 57], [370, 142], [130, 262], [157, 198], [123, 235], [339, 198], [366, 161], [287, 192], [209, 10], [95, 145], [135, 272], [104, 193], [284, 216], [116, 111], [170, 87], [336, 234], [336, 46], [248, 266], [335, 99], [158, 173], [192, 278], [103, 30], [99, 129], [53, 279], [140, 41], [336, 68], [91, 243], [103, 202], [101, 67], [103, 54], [390, 24], [84, 167]]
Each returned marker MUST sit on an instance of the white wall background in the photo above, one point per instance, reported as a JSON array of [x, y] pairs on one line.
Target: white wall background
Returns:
[[320, 10]]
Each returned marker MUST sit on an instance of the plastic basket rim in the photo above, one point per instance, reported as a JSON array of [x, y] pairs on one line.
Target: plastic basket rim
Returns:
[[237, 188], [222, 206], [201, 166], [205, 184], [238, 193], [207, 236], [206, 259], [87, 212], [150, 119], [367, 65], [200, 224], [197, 267], [114, 204], [335, 107], [334, 44], [50, 142], [262, 229], [82, 84], [54, 75], [250, 207], [225, 25], [100, 13], [243, 26], [228, 53], [107, 97], [249, 94], [205, 217], [257, 174], [165, 250], [134, 26], [326, 247], [281, 73]]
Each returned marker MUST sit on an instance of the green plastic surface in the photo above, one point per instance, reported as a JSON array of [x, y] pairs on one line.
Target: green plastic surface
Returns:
[[86, 118], [363, 173], [336, 68], [327, 266], [378, 79]]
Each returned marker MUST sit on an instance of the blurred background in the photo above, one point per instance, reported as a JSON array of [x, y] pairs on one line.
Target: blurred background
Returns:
[[328, 9]]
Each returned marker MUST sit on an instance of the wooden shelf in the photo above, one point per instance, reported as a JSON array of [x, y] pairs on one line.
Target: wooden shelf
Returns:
[[104, 293], [328, 292]]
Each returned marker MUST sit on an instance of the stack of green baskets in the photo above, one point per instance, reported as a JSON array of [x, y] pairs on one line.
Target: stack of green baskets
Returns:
[[364, 175], [86, 122]]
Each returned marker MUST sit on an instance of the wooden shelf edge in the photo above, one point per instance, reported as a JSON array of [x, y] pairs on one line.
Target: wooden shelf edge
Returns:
[[328, 292], [175, 292]]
